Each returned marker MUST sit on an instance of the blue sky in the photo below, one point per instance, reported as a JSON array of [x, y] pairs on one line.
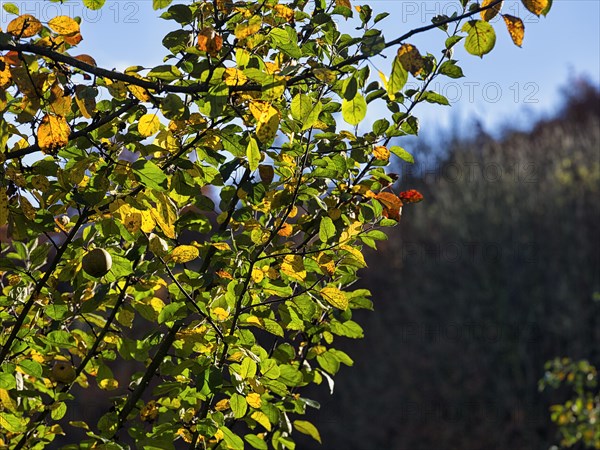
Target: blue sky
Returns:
[[511, 85]]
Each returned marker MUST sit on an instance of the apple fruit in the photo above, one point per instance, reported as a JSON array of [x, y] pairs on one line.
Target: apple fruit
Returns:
[[97, 263]]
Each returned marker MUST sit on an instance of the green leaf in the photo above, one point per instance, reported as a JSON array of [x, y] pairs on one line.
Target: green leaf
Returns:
[[355, 110], [58, 410], [398, 78], [481, 37], [11, 8], [31, 367], [256, 442], [305, 427], [150, 175], [160, 4], [233, 441], [304, 111], [173, 107], [94, 4], [286, 40], [402, 154], [12, 423], [253, 154], [450, 69], [7, 381], [434, 97], [238, 405], [165, 72], [326, 229]]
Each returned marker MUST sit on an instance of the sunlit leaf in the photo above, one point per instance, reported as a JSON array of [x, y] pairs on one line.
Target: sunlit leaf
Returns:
[[481, 37], [53, 133], [63, 25], [515, 28], [25, 26], [335, 297]]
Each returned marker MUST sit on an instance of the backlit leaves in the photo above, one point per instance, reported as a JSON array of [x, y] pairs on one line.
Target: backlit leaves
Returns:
[[184, 253], [392, 205], [354, 110], [209, 41], [63, 25], [53, 133], [515, 27], [410, 58], [481, 37], [148, 124], [492, 12], [538, 7], [335, 297], [25, 26]]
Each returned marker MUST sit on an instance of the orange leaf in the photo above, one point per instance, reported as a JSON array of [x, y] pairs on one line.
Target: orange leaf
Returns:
[[24, 26], [492, 12], [537, 7], [515, 28], [286, 230], [86, 59], [53, 133], [392, 205], [209, 41], [381, 153], [4, 73]]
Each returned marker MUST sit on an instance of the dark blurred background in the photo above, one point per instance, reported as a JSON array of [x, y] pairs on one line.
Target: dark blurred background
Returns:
[[494, 274]]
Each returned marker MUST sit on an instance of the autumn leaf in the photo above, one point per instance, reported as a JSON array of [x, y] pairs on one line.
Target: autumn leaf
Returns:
[[209, 41], [410, 196], [344, 3], [293, 267], [253, 399], [284, 12], [381, 153], [335, 297], [392, 205], [234, 77], [86, 59], [184, 253], [537, 7], [64, 25], [148, 124], [24, 26], [248, 28], [53, 133], [285, 230], [267, 173], [515, 28], [411, 59], [5, 77], [492, 12], [267, 118]]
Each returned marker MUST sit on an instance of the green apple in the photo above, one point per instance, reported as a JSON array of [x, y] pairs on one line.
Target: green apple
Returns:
[[97, 263]]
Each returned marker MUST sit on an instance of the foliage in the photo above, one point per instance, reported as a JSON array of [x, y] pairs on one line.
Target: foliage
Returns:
[[577, 418], [232, 201], [477, 289]]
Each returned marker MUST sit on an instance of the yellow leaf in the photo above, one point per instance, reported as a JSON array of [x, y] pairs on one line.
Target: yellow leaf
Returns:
[[148, 124], [293, 267], [87, 104], [262, 419], [8, 403], [326, 263], [344, 3], [234, 77], [257, 275], [53, 133], [109, 384], [335, 297], [284, 12], [164, 215], [381, 153], [64, 25], [245, 29], [411, 59], [133, 222], [139, 92], [254, 400], [492, 12], [267, 119], [24, 26], [222, 405], [3, 206], [221, 313], [4, 73], [184, 253], [325, 75], [515, 28], [356, 253], [537, 7], [223, 246]]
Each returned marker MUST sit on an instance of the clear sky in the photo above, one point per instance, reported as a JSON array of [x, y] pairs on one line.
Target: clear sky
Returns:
[[510, 85]]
